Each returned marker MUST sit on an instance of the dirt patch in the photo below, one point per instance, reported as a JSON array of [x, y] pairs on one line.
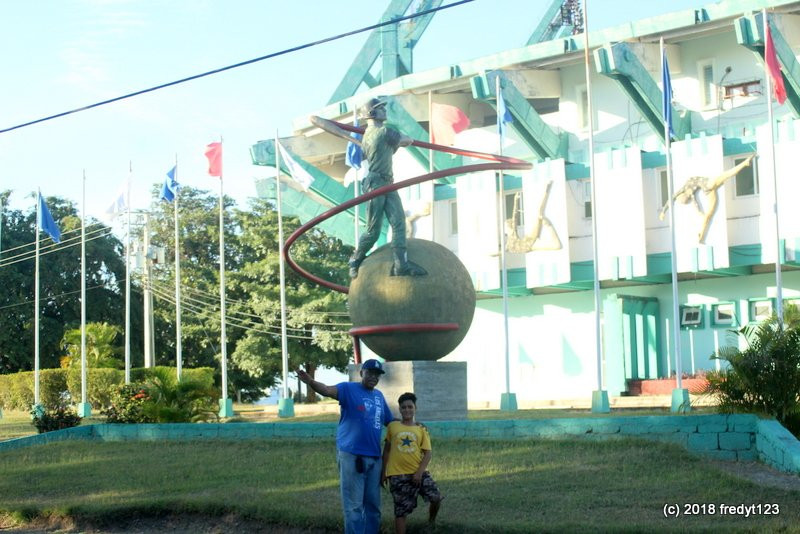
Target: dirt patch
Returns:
[[760, 474], [174, 524]]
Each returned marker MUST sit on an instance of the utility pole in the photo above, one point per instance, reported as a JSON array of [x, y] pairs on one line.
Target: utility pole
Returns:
[[149, 342]]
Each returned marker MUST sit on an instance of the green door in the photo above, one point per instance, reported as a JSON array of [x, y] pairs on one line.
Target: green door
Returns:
[[641, 348]]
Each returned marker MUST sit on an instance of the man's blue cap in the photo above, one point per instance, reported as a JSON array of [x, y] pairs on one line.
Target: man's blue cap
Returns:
[[374, 365]]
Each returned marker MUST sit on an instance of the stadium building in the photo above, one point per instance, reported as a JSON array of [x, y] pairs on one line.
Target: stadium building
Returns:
[[725, 231]]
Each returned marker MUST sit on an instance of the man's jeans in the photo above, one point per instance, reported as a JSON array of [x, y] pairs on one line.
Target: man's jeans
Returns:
[[361, 495]]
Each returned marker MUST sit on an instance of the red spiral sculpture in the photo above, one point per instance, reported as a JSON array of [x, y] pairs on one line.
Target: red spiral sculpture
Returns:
[[503, 163]]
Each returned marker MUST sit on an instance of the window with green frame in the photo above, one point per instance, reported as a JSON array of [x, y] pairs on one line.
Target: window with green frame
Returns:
[[723, 315], [692, 316], [760, 309]]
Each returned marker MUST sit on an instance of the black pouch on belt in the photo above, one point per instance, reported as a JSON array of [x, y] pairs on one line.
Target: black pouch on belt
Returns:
[[359, 464]]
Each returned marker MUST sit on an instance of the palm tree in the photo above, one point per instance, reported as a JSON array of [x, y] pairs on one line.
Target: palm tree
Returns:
[[100, 348], [763, 377]]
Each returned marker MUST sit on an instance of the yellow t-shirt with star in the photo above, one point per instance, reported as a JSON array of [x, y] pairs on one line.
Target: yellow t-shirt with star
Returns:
[[407, 446]]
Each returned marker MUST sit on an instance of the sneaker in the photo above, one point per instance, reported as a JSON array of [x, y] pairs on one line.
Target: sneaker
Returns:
[[408, 269], [354, 265]]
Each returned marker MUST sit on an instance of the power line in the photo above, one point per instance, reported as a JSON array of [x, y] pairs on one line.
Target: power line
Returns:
[[165, 293], [236, 65], [33, 243], [244, 324], [54, 297], [55, 247], [215, 296]]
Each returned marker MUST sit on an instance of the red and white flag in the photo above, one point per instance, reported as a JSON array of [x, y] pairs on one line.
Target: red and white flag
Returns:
[[214, 155], [773, 68], [446, 122]]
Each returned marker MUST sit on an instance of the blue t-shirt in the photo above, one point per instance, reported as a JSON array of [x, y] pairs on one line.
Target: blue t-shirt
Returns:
[[364, 412]]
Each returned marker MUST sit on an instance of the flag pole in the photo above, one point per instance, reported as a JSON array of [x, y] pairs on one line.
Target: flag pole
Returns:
[[36, 405], [84, 409], [356, 229], [430, 130], [679, 397], [128, 280], [178, 346], [771, 119], [226, 405], [508, 401], [356, 188], [286, 403], [600, 396]]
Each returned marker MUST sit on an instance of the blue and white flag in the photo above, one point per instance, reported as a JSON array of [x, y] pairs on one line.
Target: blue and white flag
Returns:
[[354, 154], [503, 114], [119, 205], [170, 187], [46, 221], [666, 103], [300, 175]]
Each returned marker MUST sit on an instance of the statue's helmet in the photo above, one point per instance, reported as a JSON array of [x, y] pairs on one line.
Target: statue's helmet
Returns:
[[375, 108]]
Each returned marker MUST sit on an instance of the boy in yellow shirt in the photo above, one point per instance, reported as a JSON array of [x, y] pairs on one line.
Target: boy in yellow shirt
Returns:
[[406, 455]]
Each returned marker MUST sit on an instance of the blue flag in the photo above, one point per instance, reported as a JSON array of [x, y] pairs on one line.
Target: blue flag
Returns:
[[503, 114], [46, 221], [170, 187], [666, 103], [354, 154]]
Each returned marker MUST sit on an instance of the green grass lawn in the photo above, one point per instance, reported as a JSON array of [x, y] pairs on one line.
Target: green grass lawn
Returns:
[[490, 485], [15, 425]]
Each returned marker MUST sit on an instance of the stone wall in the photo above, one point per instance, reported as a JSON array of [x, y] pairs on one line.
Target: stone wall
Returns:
[[727, 437]]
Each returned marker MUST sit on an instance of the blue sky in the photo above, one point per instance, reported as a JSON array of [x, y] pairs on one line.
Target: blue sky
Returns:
[[63, 54]]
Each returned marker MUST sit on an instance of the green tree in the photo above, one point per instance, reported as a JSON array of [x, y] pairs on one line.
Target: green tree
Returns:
[[102, 348], [316, 317], [60, 273]]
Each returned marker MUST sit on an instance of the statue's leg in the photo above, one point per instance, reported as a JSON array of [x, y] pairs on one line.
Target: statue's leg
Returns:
[[375, 208], [397, 219]]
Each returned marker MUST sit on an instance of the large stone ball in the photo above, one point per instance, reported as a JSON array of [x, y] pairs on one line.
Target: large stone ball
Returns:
[[444, 295]]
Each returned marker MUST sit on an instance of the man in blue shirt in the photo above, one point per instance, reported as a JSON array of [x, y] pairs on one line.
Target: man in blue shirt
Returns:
[[364, 413]]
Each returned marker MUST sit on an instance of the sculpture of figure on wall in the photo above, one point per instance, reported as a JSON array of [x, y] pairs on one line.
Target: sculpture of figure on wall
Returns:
[[543, 235], [413, 215], [702, 184]]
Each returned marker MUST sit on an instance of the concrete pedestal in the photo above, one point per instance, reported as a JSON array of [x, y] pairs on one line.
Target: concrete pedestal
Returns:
[[440, 387], [680, 401], [226, 408], [508, 402], [286, 408], [84, 409], [600, 401]]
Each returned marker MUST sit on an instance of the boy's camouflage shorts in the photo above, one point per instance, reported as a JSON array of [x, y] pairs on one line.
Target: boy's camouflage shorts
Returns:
[[405, 492]]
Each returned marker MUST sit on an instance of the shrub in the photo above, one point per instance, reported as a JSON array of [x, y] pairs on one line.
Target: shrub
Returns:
[[765, 376], [127, 405], [5, 392], [102, 383], [52, 386], [49, 419], [17, 390], [171, 401], [160, 398]]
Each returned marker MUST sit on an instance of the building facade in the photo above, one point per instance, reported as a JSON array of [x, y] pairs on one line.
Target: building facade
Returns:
[[722, 172]]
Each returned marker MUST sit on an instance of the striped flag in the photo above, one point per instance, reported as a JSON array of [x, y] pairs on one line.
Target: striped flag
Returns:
[[170, 187], [773, 68], [214, 155], [300, 175]]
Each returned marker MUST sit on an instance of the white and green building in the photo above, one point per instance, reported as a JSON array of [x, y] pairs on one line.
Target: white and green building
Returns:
[[727, 279]]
